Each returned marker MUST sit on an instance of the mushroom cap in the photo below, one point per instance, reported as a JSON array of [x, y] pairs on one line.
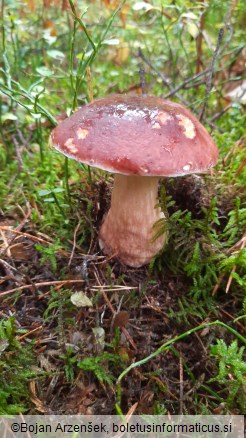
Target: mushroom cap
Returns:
[[136, 135]]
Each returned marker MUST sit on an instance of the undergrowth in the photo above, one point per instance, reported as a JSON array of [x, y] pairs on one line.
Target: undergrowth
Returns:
[[231, 372], [17, 369]]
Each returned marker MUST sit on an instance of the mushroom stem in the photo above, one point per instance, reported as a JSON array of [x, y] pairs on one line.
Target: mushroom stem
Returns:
[[127, 231]]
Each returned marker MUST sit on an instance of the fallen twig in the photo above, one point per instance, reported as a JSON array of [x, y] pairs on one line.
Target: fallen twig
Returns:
[[74, 243], [20, 338], [42, 284]]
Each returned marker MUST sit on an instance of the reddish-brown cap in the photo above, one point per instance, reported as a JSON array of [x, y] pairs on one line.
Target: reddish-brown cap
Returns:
[[136, 135]]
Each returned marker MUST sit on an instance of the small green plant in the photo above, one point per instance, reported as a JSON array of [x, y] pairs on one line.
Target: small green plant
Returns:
[[16, 361], [50, 196], [231, 371], [160, 408], [70, 360], [49, 254], [188, 307], [59, 302], [99, 366], [236, 223]]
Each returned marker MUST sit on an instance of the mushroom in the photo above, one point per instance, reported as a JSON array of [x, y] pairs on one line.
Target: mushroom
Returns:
[[140, 139]]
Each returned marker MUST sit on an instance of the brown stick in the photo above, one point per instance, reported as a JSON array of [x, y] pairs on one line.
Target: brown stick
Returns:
[[199, 41], [45, 283], [20, 338]]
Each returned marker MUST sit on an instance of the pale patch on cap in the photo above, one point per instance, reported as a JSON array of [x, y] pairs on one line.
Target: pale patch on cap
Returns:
[[163, 117], [156, 126], [71, 147], [82, 133], [187, 167], [187, 124]]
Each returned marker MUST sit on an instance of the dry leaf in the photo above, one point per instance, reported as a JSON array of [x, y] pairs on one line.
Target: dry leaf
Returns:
[[79, 299], [121, 319]]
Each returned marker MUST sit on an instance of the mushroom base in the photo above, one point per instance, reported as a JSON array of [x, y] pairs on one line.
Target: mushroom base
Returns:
[[127, 231]]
